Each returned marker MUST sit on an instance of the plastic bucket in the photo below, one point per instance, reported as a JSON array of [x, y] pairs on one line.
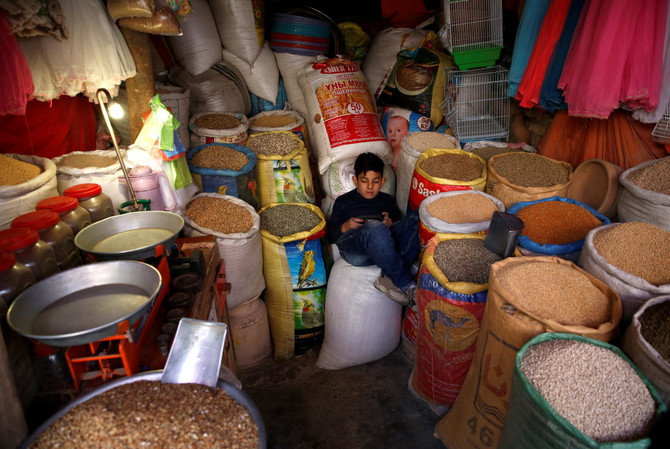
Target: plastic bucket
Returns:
[[299, 35]]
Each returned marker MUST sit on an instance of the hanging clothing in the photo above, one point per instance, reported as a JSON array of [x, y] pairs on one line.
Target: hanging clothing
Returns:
[[17, 81], [526, 34], [94, 56], [551, 97]]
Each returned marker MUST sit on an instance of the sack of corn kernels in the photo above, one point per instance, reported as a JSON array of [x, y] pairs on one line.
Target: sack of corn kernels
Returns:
[[341, 113], [645, 193], [236, 226], [361, 323], [24, 182], [283, 171], [527, 296], [296, 260]]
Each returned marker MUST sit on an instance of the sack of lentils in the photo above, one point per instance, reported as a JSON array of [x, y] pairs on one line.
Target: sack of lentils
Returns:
[[645, 194], [451, 296], [572, 391], [521, 176], [647, 343], [227, 169], [296, 261], [555, 226], [411, 147], [283, 171], [236, 226], [527, 296], [218, 127], [443, 170], [457, 212], [632, 258]]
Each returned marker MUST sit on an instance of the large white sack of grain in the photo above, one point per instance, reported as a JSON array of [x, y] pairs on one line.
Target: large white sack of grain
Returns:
[[261, 75], [241, 27], [289, 66], [199, 47]]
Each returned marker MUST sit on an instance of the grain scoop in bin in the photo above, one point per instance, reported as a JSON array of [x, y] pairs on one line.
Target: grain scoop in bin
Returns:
[[195, 358]]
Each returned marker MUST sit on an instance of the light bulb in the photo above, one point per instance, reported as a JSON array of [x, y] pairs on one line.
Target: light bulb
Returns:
[[115, 110]]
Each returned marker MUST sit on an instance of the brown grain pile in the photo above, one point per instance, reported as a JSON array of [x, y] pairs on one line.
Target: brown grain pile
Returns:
[[487, 153], [273, 121], [457, 167], [217, 121], [423, 141], [592, 387], [462, 208], [219, 215], [637, 248], [220, 157], [530, 170], [86, 160], [654, 177], [274, 143], [556, 222], [655, 328], [555, 291], [14, 172], [154, 414]]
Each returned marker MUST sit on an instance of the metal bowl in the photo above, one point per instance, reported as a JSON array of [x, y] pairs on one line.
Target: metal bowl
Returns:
[[133, 236], [237, 394], [85, 303]]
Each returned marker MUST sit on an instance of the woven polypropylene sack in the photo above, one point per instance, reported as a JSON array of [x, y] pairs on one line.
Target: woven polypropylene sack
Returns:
[[241, 26], [638, 204], [261, 75], [289, 67]]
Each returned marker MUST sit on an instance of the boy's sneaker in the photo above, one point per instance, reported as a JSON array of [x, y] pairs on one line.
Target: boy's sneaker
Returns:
[[386, 286]]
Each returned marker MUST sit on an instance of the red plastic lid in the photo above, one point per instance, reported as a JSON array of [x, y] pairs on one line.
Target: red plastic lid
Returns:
[[59, 204], [37, 220], [80, 191], [16, 238], [7, 260]]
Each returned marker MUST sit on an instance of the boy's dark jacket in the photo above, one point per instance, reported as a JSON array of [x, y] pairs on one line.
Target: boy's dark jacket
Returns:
[[352, 204]]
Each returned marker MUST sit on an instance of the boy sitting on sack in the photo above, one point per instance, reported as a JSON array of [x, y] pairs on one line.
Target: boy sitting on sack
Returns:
[[368, 229]]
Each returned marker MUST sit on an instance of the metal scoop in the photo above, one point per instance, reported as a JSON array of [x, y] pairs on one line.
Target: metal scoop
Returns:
[[196, 353]]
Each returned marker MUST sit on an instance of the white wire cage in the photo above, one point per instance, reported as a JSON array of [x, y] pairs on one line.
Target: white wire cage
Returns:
[[661, 132], [476, 104], [472, 25]]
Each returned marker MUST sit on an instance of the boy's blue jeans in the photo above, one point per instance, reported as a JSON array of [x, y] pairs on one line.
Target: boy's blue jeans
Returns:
[[392, 249]]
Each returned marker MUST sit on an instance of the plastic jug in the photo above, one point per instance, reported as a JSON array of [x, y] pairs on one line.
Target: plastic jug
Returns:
[[153, 186]]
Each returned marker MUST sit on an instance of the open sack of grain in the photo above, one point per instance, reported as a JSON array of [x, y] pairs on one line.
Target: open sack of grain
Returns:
[[527, 296], [218, 127], [645, 194], [24, 182]]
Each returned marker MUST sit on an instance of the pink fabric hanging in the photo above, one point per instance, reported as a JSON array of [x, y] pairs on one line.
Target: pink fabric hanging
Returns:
[[529, 89], [17, 81]]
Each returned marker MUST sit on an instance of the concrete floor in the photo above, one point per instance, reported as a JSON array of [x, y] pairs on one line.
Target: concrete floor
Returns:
[[366, 406]]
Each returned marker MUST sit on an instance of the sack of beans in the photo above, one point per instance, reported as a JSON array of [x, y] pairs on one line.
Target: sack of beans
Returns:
[[443, 170], [486, 149], [647, 343], [296, 261], [527, 296], [24, 182], [341, 113], [283, 171], [411, 147], [236, 226], [576, 392], [338, 180], [227, 169], [451, 295], [456, 212], [361, 324], [213, 127], [555, 226], [522, 176], [632, 258], [645, 194]]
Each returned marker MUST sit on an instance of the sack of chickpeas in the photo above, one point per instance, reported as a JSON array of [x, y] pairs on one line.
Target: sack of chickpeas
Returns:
[[576, 392], [218, 127], [632, 258], [645, 193], [236, 226], [296, 261], [527, 296]]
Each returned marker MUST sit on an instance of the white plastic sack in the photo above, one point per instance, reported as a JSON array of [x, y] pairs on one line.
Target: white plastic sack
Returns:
[[436, 225], [199, 47], [106, 177], [638, 204], [361, 323], [177, 99], [381, 56], [23, 198], [289, 66], [240, 28], [261, 75], [242, 253], [632, 290], [341, 114]]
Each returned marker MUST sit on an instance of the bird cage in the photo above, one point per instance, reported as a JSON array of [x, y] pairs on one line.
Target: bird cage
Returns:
[[473, 31], [476, 105], [661, 132]]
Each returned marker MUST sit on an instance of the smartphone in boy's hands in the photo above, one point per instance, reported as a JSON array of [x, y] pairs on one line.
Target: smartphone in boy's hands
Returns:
[[369, 217]]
